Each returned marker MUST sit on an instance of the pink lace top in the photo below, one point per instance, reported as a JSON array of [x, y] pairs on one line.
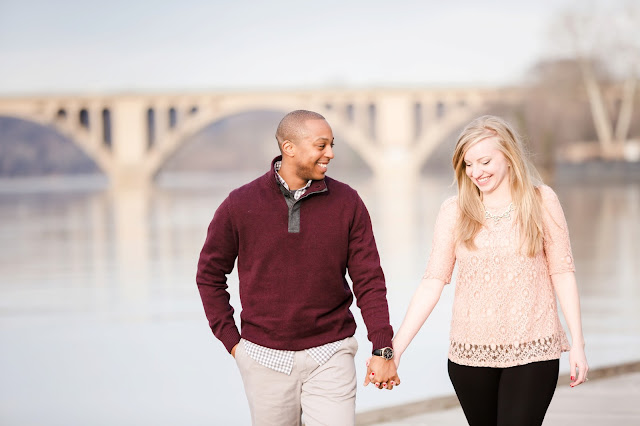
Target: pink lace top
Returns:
[[504, 309]]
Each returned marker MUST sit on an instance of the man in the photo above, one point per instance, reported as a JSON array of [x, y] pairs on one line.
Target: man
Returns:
[[295, 233]]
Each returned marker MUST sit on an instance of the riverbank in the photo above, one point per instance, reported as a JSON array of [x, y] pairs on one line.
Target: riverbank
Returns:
[[610, 397]]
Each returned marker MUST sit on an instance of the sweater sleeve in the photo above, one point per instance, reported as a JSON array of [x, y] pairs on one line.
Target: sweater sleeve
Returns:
[[557, 247], [217, 258], [368, 279], [443, 257]]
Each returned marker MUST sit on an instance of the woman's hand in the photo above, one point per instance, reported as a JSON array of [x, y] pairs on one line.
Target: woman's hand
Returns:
[[382, 373], [578, 365]]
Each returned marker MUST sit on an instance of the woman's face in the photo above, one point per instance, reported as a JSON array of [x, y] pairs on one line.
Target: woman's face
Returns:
[[487, 167]]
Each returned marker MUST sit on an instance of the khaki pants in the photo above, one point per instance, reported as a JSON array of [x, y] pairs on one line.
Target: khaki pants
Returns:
[[326, 394]]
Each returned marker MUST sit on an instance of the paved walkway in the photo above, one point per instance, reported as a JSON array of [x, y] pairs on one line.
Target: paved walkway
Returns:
[[611, 397]]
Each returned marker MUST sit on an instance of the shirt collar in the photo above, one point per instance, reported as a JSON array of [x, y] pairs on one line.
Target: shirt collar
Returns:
[[298, 192]]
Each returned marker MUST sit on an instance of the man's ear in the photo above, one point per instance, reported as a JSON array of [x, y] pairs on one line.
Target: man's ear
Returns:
[[288, 148]]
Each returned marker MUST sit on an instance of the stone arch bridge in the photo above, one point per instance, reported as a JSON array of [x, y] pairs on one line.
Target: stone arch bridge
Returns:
[[130, 136]]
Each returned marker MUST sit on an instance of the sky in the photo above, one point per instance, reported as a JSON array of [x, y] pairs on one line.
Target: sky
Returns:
[[119, 46]]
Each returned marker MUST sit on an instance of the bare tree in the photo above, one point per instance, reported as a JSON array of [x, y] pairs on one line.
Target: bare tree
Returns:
[[629, 47], [610, 37]]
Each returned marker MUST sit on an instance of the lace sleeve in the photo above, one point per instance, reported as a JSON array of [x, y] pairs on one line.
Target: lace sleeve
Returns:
[[443, 257], [557, 247]]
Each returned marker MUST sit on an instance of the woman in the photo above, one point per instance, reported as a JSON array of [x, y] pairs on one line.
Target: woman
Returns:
[[508, 235]]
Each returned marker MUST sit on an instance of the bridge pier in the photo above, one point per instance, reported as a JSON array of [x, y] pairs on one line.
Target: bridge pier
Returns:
[[130, 143], [130, 177]]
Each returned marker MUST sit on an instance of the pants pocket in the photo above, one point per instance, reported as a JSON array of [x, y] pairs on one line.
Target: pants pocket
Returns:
[[352, 344], [240, 353]]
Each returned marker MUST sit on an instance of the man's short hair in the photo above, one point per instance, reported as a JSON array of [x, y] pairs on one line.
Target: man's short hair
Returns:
[[292, 125]]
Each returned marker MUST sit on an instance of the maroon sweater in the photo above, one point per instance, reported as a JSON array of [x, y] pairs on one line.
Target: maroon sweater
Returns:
[[293, 286]]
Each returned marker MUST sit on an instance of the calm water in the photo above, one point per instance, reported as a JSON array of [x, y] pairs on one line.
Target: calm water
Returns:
[[101, 322]]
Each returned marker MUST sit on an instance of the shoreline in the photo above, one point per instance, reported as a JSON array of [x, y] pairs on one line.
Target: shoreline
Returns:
[[562, 173], [431, 405]]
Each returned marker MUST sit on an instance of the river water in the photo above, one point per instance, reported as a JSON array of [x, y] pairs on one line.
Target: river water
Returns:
[[101, 322]]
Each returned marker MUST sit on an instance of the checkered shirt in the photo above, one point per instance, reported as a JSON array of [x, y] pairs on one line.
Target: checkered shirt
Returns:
[[298, 192], [282, 361]]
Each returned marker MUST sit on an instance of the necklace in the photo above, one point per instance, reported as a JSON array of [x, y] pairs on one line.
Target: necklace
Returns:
[[496, 218]]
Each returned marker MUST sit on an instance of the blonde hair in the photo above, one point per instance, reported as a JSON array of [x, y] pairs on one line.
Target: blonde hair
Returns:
[[524, 179]]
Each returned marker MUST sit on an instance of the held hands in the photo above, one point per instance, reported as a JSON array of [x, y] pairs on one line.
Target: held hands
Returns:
[[381, 373], [578, 364]]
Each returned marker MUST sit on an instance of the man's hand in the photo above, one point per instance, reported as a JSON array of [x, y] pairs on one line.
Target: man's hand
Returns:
[[233, 350], [381, 373]]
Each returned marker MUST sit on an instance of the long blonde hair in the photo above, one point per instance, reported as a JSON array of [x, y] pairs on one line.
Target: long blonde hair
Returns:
[[524, 179]]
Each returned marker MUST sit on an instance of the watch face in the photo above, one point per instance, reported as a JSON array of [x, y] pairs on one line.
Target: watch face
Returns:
[[386, 353]]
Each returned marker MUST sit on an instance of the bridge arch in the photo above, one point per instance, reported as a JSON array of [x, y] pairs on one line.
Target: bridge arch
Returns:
[[72, 120], [167, 146], [34, 147], [235, 142]]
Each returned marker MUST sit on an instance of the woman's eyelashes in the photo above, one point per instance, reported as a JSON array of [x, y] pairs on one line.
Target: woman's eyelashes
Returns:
[[483, 163]]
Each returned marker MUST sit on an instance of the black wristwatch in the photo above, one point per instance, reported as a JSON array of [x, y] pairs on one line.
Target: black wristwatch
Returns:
[[386, 353]]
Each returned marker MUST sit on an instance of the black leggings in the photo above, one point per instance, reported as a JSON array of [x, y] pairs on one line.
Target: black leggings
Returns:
[[505, 396]]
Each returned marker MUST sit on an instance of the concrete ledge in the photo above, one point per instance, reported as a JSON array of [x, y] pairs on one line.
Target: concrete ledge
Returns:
[[411, 409], [404, 411]]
